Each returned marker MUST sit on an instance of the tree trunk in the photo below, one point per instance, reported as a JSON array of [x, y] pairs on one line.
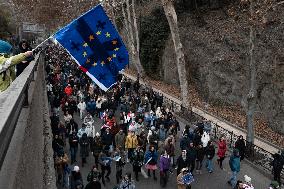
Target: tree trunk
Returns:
[[137, 50], [134, 51], [111, 4], [172, 20], [126, 28], [251, 97]]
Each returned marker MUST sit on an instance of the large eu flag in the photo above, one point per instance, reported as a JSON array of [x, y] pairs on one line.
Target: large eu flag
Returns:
[[95, 45]]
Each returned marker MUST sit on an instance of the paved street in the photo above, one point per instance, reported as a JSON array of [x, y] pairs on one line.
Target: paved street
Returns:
[[216, 180]]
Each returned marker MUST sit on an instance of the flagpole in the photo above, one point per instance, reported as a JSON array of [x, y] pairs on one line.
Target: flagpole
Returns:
[[41, 44]]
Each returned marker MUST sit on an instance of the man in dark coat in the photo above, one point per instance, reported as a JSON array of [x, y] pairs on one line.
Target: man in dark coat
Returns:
[[191, 154], [23, 47], [241, 146], [182, 162], [277, 164], [84, 148], [73, 143]]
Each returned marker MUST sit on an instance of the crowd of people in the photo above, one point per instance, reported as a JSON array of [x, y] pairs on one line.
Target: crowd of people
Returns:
[[137, 129]]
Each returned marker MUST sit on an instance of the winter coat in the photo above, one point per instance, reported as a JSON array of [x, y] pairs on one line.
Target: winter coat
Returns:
[[170, 149], [75, 180], [184, 143], [277, 163], [82, 106], [191, 154], [205, 139], [97, 146], [93, 185], [73, 141], [94, 174], [149, 154], [210, 152], [181, 163], [222, 148], [164, 163], [91, 106], [137, 160], [107, 139], [61, 162], [235, 163], [20, 67], [241, 146], [131, 141], [120, 140], [200, 152], [162, 134], [68, 90], [84, 147], [7, 71]]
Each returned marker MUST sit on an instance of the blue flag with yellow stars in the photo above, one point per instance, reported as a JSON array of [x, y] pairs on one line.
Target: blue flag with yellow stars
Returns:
[[95, 45]]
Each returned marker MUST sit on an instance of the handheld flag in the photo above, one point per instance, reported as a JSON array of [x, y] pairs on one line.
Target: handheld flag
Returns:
[[95, 45]]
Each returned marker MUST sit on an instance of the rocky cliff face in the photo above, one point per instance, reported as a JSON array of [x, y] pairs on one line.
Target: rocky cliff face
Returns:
[[216, 45]]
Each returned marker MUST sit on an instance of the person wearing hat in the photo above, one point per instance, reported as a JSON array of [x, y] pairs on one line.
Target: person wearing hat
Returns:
[[76, 180], [23, 47], [247, 184], [234, 163], [7, 71]]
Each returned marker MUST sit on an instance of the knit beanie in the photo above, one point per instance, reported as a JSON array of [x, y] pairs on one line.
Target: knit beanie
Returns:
[[5, 47]]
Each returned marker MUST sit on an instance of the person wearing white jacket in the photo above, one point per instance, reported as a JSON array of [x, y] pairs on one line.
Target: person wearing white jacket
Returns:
[[82, 109], [205, 139]]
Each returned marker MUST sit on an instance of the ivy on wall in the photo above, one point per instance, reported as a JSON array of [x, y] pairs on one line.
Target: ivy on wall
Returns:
[[154, 31]]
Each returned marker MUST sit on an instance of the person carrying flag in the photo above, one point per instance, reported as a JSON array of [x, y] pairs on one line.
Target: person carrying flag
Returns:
[[7, 71]]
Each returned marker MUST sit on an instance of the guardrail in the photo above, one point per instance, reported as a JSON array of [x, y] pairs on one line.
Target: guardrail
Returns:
[[11, 103], [259, 157]]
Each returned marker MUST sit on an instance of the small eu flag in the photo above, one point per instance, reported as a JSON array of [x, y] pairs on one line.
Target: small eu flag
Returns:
[[95, 45]]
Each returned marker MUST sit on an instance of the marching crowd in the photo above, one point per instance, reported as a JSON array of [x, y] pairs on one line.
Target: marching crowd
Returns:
[[137, 129]]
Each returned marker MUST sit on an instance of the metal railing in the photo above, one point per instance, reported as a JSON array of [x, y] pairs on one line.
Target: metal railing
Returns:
[[259, 157], [12, 100]]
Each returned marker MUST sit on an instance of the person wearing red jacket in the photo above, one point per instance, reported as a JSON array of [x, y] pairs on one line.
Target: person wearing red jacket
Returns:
[[222, 148], [68, 90]]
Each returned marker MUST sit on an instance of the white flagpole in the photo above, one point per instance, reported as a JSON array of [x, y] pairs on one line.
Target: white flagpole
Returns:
[[41, 43]]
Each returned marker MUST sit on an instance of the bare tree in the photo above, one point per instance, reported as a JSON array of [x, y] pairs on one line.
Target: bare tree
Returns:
[[251, 97], [172, 20]]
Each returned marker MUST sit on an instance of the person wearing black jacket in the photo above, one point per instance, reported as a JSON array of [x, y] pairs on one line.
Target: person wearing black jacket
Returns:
[[107, 138], [210, 153], [182, 162], [241, 146], [73, 143], [84, 148], [57, 144], [277, 164], [191, 154], [72, 126], [199, 158], [23, 47]]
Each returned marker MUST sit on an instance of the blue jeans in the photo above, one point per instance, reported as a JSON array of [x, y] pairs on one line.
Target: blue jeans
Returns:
[[233, 178], [73, 153], [209, 165]]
